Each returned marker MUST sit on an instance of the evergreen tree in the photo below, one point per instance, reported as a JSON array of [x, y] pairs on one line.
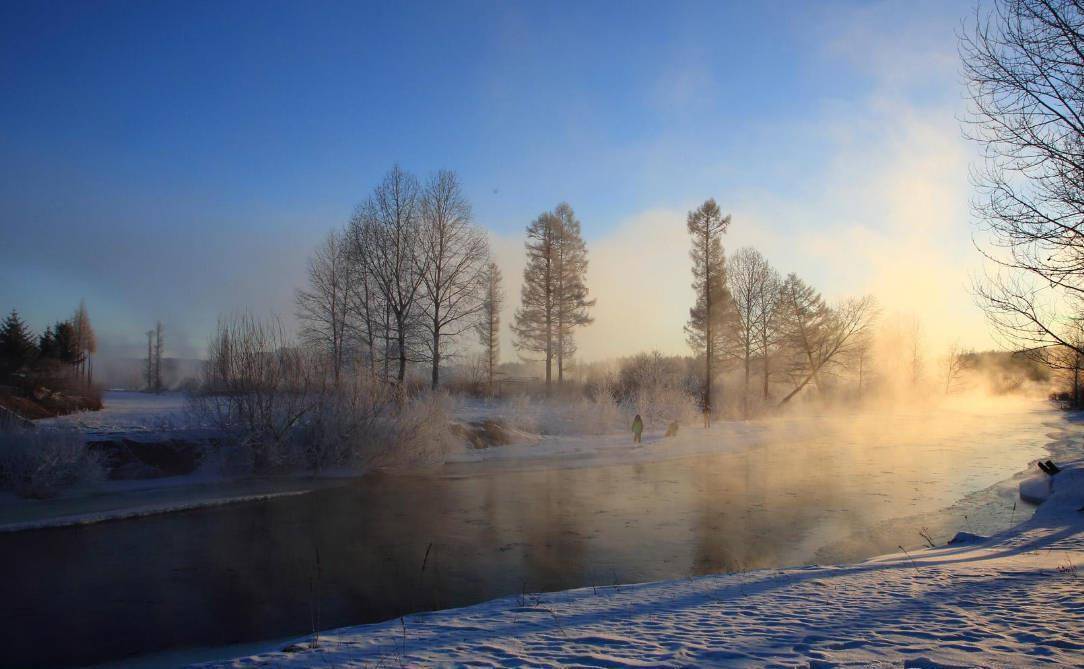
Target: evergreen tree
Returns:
[[17, 347], [708, 318], [66, 343]]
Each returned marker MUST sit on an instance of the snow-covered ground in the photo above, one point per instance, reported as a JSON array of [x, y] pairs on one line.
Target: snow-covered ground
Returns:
[[128, 413], [1016, 599]]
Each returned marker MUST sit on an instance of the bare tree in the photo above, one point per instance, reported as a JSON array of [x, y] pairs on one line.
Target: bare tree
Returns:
[[1066, 359], [752, 283], [324, 308], [954, 361], [455, 253], [1024, 61], [395, 256], [770, 327], [369, 313], [571, 286], [708, 317], [85, 342], [489, 326]]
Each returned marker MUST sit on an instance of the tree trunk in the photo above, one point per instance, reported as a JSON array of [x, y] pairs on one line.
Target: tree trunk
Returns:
[[436, 355], [401, 337], [745, 395]]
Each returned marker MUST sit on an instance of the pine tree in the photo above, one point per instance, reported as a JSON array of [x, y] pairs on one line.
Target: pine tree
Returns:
[[709, 316], [489, 326], [17, 347]]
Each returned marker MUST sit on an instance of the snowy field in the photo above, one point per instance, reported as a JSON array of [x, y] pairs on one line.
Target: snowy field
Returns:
[[128, 413], [1016, 599]]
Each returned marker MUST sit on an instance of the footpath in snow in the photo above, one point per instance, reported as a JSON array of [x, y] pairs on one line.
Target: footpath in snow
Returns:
[[1016, 599]]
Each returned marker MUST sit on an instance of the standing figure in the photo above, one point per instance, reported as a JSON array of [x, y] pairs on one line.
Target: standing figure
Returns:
[[637, 428]]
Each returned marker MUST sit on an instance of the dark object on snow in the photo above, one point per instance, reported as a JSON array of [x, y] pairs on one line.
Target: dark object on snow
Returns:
[[672, 428], [967, 538], [637, 428], [1049, 467]]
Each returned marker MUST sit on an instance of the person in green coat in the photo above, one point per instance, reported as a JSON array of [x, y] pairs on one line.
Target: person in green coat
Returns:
[[637, 428]]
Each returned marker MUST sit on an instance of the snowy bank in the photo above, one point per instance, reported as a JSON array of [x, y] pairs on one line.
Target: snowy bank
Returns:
[[1015, 599]]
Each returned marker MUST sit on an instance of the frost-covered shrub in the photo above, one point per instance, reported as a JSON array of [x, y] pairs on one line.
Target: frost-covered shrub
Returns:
[[41, 463]]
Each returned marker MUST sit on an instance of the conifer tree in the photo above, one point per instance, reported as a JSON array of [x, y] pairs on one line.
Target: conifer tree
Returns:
[[17, 347], [709, 316]]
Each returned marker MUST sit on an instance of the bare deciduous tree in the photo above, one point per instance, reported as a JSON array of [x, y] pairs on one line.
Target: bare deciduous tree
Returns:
[[395, 259], [1024, 61], [752, 286], [454, 255], [954, 362], [325, 307]]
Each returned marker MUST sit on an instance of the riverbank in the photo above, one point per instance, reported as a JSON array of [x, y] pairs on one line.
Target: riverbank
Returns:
[[1013, 599], [119, 500]]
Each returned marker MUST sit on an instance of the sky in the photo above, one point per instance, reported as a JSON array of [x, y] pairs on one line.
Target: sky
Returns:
[[176, 161]]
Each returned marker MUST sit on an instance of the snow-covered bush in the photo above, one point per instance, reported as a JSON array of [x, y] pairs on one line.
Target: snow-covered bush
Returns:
[[41, 463]]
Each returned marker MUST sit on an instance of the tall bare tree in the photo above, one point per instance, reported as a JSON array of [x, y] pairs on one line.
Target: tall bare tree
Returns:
[[769, 328], [1024, 61], [369, 312], [571, 289], [750, 280], [395, 258], [489, 325], [85, 341], [324, 308], [709, 316], [455, 254]]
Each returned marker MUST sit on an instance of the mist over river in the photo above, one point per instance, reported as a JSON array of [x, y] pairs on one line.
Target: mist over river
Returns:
[[812, 489]]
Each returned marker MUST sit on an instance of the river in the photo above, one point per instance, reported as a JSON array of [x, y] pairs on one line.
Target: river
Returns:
[[384, 545]]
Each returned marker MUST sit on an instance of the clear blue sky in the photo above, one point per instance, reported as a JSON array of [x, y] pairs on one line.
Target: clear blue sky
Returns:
[[174, 160]]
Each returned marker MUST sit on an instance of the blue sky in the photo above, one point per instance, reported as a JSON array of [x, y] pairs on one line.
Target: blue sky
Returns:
[[179, 160]]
